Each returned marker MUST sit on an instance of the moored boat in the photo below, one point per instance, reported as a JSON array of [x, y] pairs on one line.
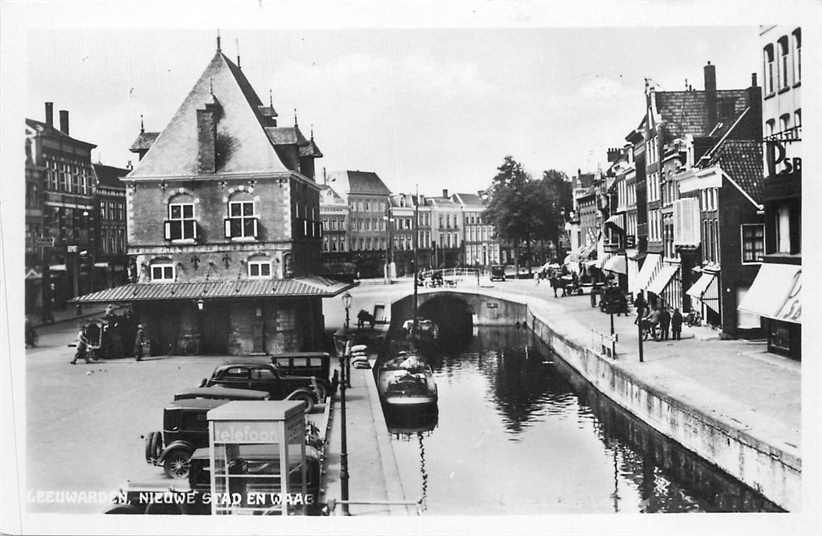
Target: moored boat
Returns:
[[407, 381]]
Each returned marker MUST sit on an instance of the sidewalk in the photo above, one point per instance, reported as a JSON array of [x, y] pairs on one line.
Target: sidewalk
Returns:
[[735, 381]]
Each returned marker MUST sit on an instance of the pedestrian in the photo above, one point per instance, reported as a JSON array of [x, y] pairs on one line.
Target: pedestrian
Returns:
[[82, 347], [664, 322], [31, 335], [676, 324], [139, 341], [641, 306]]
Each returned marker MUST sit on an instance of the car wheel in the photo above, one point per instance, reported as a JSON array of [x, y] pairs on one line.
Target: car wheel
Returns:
[[176, 463], [123, 509], [322, 392], [307, 399]]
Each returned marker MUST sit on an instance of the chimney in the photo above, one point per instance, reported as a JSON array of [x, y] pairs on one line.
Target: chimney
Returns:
[[710, 94], [50, 114], [613, 154], [64, 122], [207, 138], [754, 116], [325, 177], [445, 192]]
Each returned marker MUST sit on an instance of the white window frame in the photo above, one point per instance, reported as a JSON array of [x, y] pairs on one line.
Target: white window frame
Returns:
[[742, 242], [244, 234], [182, 222], [769, 57], [259, 265], [163, 267], [797, 55], [784, 49]]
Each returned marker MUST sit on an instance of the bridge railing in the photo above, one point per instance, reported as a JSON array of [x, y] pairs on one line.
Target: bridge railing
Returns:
[[451, 277]]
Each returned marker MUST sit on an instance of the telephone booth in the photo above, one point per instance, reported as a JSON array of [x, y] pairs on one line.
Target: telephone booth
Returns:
[[258, 461]]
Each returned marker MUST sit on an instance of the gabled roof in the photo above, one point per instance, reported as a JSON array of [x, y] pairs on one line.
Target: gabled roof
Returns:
[[444, 202], [43, 128], [243, 144], [110, 175], [311, 149], [685, 112], [329, 196], [358, 183], [741, 160], [143, 142], [470, 200]]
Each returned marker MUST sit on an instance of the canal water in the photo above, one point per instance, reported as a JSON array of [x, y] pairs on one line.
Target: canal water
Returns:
[[519, 432]]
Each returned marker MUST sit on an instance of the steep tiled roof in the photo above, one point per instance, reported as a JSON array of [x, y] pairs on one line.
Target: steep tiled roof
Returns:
[[286, 136], [311, 149], [358, 182], [244, 145], [110, 175], [742, 161], [472, 200], [684, 112], [298, 286], [41, 127], [143, 141]]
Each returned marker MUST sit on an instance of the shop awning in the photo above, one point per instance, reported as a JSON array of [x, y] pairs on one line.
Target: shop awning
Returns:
[[615, 220], [706, 290], [617, 264], [776, 293], [700, 286], [649, 267], [580, 254], [662, 278], [320, 287]]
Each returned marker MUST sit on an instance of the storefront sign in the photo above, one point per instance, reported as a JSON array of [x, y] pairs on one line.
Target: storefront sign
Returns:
[[246, 432], [776, 154]]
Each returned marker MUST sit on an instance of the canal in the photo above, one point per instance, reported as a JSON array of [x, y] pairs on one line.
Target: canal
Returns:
[[519, 432]]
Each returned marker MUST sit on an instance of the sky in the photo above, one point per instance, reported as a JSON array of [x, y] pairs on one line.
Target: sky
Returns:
[[435, 107]]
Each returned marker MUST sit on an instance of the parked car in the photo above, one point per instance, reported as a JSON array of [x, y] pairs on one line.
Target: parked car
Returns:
[[498, 273], [265, 376], [317, 364]]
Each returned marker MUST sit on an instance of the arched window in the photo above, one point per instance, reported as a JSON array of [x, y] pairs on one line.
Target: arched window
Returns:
[[769, 69], [797, 55], [181, 224], [784, 54], [242, 221]]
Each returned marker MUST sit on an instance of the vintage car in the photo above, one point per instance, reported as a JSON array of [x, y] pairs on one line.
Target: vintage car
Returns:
[[317, 364], [191, 496], [185, 427], [265, 376], [498, 273]]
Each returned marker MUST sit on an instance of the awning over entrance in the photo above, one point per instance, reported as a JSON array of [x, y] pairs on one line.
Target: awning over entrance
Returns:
[[776, 293], [647, 271], [580, 254], [615, 220], [250, 288], [617, 264], [706, 290], [662, 278]]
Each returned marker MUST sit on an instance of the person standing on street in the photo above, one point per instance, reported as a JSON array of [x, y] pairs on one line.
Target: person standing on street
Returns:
[[676, 324], [139, 340], [82, 347], [641, 306], [664, 322]]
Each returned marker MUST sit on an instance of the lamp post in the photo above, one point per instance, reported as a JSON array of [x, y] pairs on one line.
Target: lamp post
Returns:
[[346, 299], [343, 348]]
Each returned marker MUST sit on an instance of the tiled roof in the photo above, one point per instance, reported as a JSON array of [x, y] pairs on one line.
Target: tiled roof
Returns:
[[472, 200], [742, 161], [311, 149], [143, 141], [684, 112], [315, 286], [245, 147], [286, 136], [358, 182], [41, 127], [110, 175]]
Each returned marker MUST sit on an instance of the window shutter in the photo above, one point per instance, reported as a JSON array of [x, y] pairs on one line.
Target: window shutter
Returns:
[[227, 226], [256, 227], [167, 229], [195, 229]]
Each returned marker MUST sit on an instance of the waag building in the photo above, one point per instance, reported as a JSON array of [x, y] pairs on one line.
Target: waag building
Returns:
[[224, 233]]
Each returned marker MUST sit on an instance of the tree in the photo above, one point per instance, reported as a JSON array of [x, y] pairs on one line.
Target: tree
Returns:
[[559, 192], [519, 208]]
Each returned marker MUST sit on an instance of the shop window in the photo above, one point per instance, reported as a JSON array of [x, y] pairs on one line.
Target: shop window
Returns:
[[180, 224], [753, 242], [162, 272]]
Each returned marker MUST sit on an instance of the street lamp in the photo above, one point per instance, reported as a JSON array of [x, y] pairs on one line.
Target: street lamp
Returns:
[[343, 347], [346, 299]]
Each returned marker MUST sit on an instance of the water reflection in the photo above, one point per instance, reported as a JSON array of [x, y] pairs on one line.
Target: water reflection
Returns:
[[518, 431], [410, 424]]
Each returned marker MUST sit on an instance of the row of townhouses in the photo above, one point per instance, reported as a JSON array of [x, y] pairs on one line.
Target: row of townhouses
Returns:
[[701, 207], [75, 216], [369, 228]]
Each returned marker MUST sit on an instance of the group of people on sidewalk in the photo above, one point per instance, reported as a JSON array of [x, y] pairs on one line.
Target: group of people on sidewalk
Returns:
[[658, 318], [105, 338]]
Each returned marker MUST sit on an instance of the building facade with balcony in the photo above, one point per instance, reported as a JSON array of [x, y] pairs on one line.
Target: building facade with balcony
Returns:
[[224, 233], [775, 295]]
